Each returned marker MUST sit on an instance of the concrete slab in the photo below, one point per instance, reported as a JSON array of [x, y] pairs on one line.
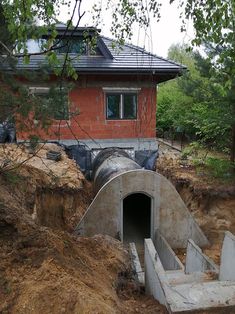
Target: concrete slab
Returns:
[[179, 277], [197, 261], [169, 259], [136, 264], [227, 264], [133, 144], [215, 296]]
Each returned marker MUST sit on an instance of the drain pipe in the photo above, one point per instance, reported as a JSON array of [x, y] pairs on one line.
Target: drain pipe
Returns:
[[109, 163]]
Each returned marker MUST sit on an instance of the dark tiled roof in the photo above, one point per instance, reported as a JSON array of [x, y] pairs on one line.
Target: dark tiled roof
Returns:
[[124, 59], [133, 57]]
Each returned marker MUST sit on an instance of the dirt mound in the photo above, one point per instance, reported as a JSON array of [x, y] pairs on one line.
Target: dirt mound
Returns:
[[63, 173], [55, 272], [43, 267], [55, 194], [212, 202]]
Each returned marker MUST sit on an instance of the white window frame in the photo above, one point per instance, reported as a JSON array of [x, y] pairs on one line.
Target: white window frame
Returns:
[[121, 91]]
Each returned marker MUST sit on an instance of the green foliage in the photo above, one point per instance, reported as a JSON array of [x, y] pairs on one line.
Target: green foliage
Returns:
[[214, 167], [173, 108], [17, 25], [126, 13], [21, 16], [220, 168], [196, 103], [194, 149], [174, 105], [214, 24]]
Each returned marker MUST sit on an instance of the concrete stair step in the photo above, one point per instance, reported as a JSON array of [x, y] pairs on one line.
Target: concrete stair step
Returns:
[[176, 277], [212, 295]]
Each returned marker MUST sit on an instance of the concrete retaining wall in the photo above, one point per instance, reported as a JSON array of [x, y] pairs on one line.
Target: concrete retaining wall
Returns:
[[196, 261], [169, 259], [155, 277], [184, 294], [169, 213], [227, 264]]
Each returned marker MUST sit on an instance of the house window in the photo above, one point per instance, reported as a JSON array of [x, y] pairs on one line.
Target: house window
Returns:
[[50, 103], [121, 105], [80, 46], [72, 45]]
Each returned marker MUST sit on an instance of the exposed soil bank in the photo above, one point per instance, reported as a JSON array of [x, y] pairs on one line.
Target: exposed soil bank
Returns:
[[43, 267], [211, 202], [61, 209]]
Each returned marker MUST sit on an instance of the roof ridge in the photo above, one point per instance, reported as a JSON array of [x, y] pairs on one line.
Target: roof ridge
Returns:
[[145, 51]]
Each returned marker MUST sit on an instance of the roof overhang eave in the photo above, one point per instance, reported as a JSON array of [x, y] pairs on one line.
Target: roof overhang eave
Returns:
[[91, 70], [132, 70]]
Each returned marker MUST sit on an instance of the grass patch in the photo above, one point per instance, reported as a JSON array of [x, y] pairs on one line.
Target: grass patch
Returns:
[[220, 168], [208, 162]]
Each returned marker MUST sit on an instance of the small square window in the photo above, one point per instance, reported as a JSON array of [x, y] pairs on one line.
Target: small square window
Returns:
[[120, 106]]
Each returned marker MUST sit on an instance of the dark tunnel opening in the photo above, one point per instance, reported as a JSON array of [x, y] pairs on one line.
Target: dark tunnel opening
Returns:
[[136, 218]]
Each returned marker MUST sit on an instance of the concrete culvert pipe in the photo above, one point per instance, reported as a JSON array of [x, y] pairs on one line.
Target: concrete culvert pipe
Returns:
[[133, 203], [109, 163]]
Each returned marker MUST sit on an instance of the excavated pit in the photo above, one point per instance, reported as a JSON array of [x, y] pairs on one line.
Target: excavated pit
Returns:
[[43, 268]]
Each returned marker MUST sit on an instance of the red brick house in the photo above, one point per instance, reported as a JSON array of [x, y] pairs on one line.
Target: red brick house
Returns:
[[115, 93]]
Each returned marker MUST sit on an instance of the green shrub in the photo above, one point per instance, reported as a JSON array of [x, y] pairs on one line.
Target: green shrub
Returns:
[[194, 149], [220, 168]]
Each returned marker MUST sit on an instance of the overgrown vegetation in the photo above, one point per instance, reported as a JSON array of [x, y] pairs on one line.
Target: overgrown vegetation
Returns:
[[197, 104], [208, 163]]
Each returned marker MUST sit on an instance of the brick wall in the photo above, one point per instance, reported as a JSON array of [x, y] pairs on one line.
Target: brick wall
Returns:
[[91, 121]]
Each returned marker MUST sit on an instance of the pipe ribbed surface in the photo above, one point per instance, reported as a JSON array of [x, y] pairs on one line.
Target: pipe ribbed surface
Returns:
[[109, 163]]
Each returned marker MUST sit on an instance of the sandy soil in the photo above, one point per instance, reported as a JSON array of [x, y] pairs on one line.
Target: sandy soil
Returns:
[[55, 194], [63, 173], [212, 202], [44, 268]]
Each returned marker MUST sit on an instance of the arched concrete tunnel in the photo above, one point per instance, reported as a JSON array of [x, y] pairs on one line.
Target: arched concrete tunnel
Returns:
[[133, 203], [136, 217]]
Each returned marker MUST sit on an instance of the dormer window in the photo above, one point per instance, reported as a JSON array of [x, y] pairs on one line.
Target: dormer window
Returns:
[[74, 45], [84, 41], [77, 45]]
